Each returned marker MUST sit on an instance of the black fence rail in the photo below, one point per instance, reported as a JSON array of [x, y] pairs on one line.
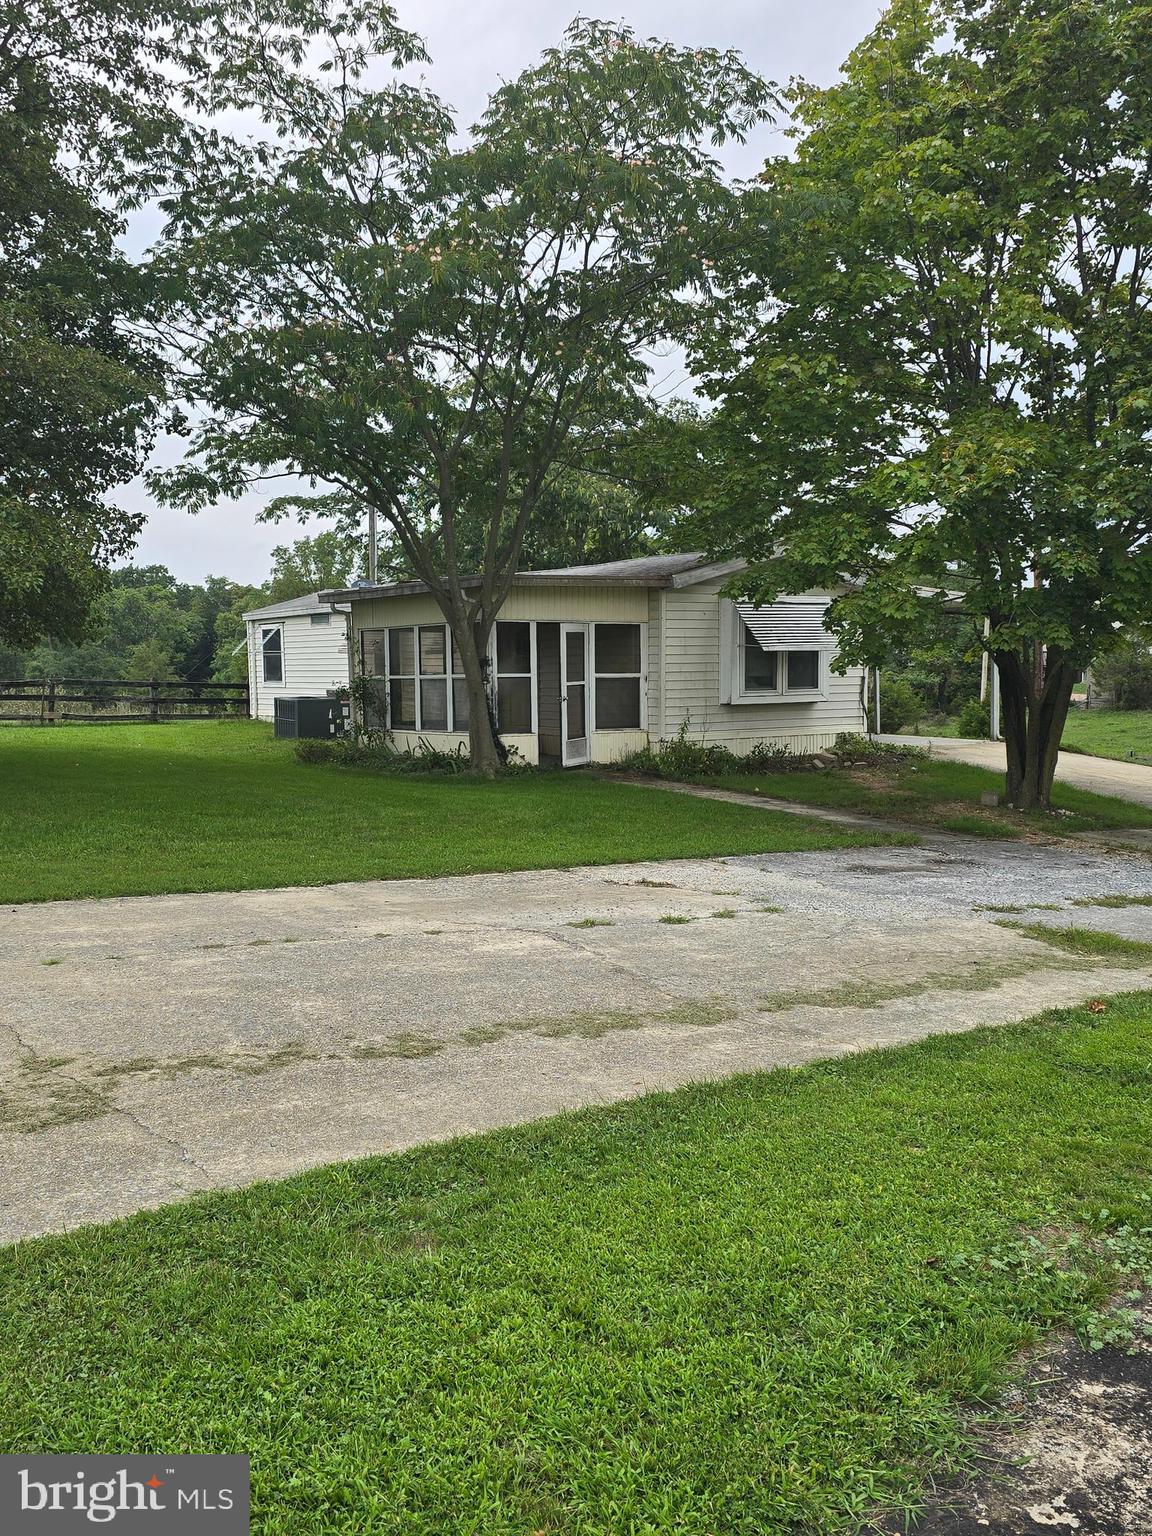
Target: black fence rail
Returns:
[[55, 700]]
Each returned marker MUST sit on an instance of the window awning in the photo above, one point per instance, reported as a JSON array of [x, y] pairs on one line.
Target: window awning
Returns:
[[787, 624]]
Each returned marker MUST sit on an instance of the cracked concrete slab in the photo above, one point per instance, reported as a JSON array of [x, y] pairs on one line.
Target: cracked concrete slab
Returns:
[[154, 1047]]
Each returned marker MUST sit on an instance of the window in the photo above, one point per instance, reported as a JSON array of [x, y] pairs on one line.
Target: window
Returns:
[[272, 654], [319, 618], [422, 694], [402, 679], [617, 668], [433, 678], [514, 676], [775, 652], [460, 713]]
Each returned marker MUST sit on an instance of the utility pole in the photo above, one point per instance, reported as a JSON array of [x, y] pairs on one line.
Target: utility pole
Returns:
[[372, 545]]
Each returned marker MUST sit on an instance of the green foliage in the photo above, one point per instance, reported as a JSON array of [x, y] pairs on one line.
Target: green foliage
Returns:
[[377, 752], [900, 705], [329, 559], [974, 720], [685, 758], [1125, 676], [143, 624], [783, 1294], [688, 759], [937, 369]]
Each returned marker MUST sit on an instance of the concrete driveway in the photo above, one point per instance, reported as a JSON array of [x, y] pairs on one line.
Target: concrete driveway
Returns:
[[153, 1047], [1102, 775]]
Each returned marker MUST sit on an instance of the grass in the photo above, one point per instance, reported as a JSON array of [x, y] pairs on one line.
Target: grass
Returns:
[[134, 810], [743, 1309], [935, 793], [1119, 733]]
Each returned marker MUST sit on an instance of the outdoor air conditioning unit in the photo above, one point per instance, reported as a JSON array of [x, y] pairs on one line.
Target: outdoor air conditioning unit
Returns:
[[310, 717]]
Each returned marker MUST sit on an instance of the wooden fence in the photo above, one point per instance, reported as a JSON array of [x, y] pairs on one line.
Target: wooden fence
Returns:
[[109, 701]]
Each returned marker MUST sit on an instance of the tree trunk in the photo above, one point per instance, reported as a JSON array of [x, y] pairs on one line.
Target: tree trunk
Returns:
[[487, 752], [1033, 724]]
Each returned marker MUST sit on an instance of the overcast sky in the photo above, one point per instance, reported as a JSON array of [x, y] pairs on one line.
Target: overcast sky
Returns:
[[474, 44]]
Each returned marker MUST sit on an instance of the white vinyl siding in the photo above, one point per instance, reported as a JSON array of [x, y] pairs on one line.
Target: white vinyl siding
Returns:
[[315, 659], [695, 673]]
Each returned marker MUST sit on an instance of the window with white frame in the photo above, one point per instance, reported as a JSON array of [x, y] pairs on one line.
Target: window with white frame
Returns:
[[319, 619], [777, 652], [514, 675], [618, 670], [272, 654]]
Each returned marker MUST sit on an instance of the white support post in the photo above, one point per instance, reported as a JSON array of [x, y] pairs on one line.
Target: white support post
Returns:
[[994, 703]]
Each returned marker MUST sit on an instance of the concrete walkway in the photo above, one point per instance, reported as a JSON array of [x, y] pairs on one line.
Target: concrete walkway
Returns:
[[1102, 775], [158, 1046]]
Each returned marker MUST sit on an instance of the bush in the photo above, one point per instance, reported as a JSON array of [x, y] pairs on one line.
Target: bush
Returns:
[[378, 752], [681, 758], [900, 705], [973, 719], [1126, 677]]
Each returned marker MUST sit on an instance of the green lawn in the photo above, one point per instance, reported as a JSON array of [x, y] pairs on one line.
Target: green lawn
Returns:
[[1110, 732], [125, 810], [941, 794], [749, 1309]]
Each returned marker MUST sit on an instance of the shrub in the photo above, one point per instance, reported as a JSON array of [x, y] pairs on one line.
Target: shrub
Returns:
[[973, 719], [900, 705], [1126, 677], [378, 752], [852, 750]]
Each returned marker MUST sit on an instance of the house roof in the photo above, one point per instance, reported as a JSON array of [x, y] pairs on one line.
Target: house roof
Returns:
[[646, 571], [310, 603]]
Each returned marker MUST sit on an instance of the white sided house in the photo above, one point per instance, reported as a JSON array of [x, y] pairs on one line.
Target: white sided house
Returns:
[[296, 649], [590, 662]]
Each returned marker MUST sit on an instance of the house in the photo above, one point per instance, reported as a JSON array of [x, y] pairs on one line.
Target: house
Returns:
[[593, 661], [297, 648]]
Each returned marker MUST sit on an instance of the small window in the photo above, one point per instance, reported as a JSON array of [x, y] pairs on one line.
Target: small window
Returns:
[[319, 618], [514, 676], [272, 654], [616, 662]]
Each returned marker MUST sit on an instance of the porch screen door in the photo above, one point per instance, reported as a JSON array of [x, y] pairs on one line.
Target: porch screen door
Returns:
[[574, 693]]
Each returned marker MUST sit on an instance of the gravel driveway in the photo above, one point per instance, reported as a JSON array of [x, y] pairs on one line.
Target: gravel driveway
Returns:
[[157, 1046]]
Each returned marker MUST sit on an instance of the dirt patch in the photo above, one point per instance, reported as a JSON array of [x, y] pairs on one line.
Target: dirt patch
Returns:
[[1078, 1461]]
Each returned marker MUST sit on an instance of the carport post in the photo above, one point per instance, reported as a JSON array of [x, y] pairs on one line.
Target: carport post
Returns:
[[994, 703]]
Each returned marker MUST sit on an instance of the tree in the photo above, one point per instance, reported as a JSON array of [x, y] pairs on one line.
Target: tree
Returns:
[[439, 329], [330, 559], [950, 358], [79, 389], [100, 103]]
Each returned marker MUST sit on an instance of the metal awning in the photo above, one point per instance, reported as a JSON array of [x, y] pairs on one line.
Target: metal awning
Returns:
[[787, 625]]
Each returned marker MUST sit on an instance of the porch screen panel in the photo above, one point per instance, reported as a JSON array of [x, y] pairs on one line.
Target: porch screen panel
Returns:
[[616, 663], [402, 679], [433, 678], [514, 675]]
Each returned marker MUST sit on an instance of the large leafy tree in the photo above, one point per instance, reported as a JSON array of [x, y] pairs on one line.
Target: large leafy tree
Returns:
[[440, 327], [78, 389], [101, 101], [946, 359]]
